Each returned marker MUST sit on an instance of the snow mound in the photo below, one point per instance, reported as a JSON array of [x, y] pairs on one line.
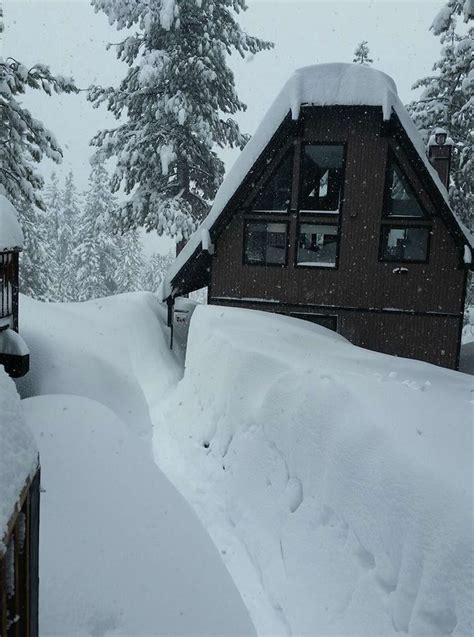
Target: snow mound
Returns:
[[343, 477], [11, 235], [18, 451], [121, 551], [111, 350]]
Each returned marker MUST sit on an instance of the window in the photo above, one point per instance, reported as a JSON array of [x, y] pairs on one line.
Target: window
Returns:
[[321, 178], [275, 194], [7, 278], [403, 240], [317, 245], [325, 320], [400, 198], [265, 243], [405, 244]]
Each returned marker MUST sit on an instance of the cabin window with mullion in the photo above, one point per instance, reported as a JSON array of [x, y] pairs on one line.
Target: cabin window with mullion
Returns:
[[6, 284], [265, 243], [321, 178]]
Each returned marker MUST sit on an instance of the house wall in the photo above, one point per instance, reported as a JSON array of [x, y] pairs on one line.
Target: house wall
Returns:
[[360, 281], [433, 339]]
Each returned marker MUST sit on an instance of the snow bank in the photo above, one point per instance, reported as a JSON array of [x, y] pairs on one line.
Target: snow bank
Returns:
[[18, 452], [109, 350], [121, 551], [341, 478], [335, 84], [11, 235]]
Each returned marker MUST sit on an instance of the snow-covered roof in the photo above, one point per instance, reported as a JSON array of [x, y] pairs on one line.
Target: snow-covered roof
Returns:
[[11, 235], [19, 454], [335, 84]]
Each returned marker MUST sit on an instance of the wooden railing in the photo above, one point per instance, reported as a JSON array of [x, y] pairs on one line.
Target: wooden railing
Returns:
[[19, 578]]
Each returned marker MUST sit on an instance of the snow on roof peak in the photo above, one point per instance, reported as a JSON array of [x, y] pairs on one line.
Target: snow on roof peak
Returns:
[[340, 84], [11, 235]]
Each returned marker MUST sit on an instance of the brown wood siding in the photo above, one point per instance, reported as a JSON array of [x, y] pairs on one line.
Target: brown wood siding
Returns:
[[360, 280], [429, 338]]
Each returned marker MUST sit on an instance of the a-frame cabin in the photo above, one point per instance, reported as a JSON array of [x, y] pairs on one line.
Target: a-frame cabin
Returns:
[[334, 213]]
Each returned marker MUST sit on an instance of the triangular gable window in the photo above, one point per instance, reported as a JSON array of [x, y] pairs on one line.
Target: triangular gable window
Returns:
[[400, 199], [274, 194]]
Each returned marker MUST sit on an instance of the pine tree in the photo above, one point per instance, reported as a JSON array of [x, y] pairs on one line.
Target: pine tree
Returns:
[[52, 222], [130, 268], [176, 95], [24, 141], [37, 273], [96, 257], [361, 54], [155, 270], [447, 102], [68, 238]]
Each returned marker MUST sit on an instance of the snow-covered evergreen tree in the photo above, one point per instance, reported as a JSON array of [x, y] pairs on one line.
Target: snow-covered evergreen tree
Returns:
[[130, 267], [446, 16], [37, 263], [96, 256], [68, 238], [51, 222], [155, 270], [361, 54], [176, 96], [24, 141], [448, 101]]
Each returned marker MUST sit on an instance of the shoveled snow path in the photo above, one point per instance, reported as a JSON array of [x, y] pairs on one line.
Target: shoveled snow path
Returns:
[[122, 553]]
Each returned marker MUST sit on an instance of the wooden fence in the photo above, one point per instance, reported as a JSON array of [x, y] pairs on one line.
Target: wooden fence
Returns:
[[19, 579]]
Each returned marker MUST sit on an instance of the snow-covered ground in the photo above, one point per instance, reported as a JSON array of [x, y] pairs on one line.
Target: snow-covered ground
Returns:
[[336, 483], [121, 552]]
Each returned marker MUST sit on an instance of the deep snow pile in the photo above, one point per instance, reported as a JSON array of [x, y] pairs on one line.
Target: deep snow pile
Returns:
[[18, 452], [122, 553], [336, 482], [109, 350]]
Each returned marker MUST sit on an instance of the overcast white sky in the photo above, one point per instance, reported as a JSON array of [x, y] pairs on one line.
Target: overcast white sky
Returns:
[[71, 38]]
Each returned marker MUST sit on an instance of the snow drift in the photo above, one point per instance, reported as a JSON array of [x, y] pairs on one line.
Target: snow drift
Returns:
[[18, 451], [345, 476]]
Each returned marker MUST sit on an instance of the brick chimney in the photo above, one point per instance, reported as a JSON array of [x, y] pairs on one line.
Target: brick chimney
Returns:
[[439, 153]]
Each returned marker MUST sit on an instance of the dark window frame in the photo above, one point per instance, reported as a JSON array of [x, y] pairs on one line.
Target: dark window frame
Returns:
[[7, 278], [399, 222], [393, 159], [265, 220], [330, 218], [263, 179], [386, 227], [315, 222], [315, 213], [303, 316]]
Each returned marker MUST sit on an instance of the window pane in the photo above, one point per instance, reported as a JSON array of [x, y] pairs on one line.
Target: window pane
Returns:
[[330, 322], [275, 194], [265, 243], [401, 199], [405, 244], [321, 177], [317, 245]]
